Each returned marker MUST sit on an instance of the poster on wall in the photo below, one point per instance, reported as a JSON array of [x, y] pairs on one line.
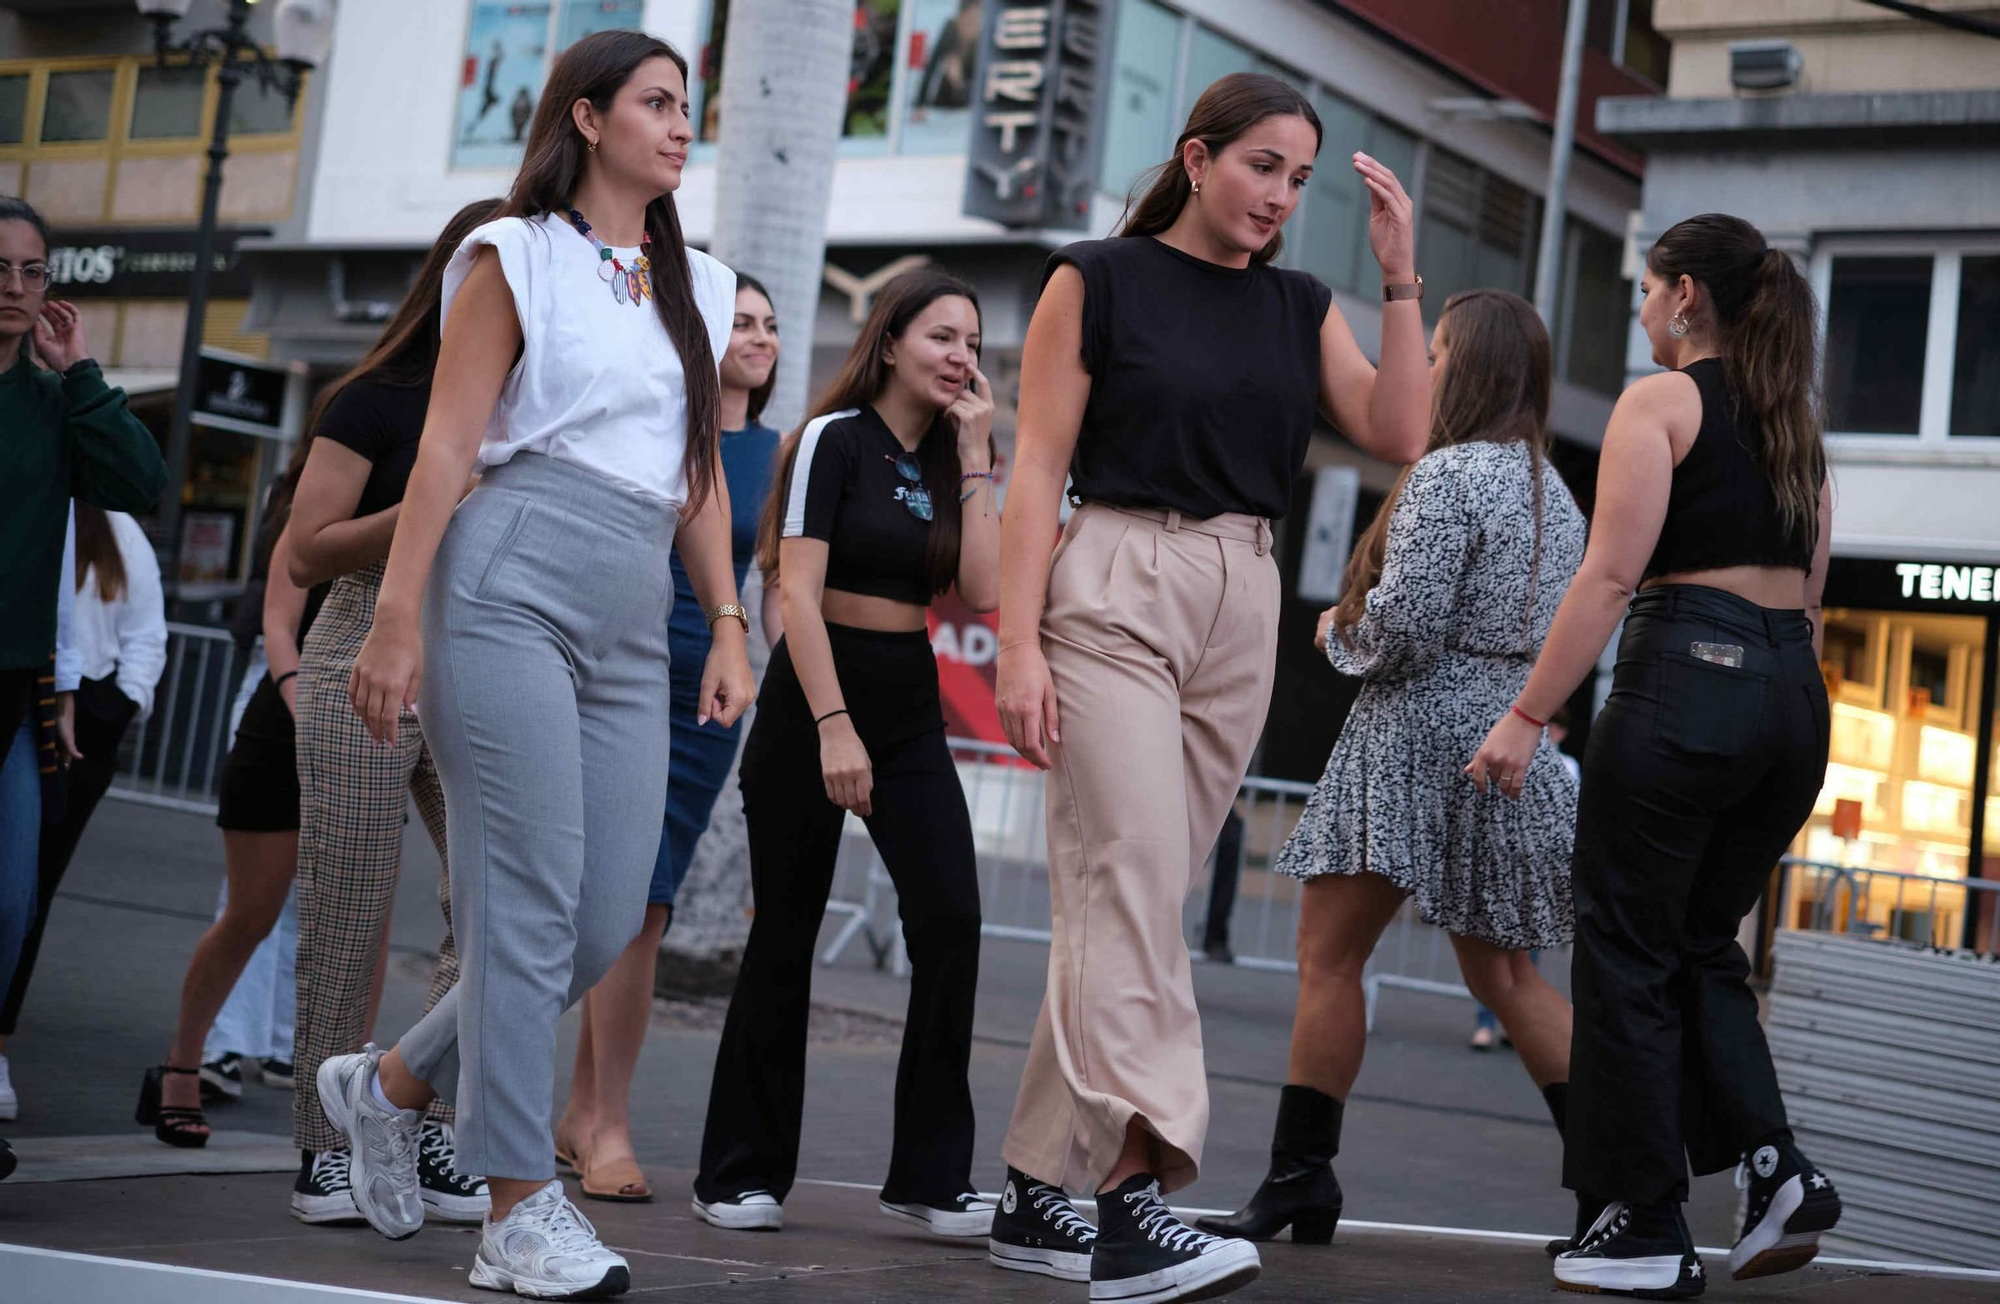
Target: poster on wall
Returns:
[[506, 61], [942, 57], [582, 17], [872, 71]]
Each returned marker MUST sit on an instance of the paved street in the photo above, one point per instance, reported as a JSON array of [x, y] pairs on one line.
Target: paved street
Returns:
[[1437, 1137]]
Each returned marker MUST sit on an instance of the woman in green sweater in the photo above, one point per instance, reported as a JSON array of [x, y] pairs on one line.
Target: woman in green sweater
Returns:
[[64, 434]]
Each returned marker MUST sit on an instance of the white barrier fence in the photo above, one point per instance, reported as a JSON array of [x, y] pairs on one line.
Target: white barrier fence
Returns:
[[173, 758]]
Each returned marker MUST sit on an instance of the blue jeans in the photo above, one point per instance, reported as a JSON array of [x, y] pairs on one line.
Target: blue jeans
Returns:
[[20, 842]]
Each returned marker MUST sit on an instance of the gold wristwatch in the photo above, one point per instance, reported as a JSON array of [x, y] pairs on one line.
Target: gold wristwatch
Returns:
[[729, 609], [1413, 289]]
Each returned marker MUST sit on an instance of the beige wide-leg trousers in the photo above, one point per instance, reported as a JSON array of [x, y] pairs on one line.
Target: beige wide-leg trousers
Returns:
[[1161, 637]]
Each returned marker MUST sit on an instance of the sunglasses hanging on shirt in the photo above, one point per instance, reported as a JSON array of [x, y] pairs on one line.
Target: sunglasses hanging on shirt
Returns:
[[917, 499]]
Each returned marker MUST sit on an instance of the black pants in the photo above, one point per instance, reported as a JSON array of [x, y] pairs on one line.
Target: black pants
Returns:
[[1697, 777], [98, 733], [924, 834], [1222, 885]]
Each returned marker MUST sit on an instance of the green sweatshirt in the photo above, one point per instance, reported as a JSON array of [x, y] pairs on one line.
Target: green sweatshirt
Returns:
[[60, 437]]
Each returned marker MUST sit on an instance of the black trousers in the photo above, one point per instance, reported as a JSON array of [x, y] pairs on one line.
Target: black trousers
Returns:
[[924, 834], [98, 733], [1696, 778]]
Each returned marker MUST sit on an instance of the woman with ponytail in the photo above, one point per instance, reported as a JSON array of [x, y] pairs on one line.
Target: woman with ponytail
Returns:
[[1447, 599], [1713, 514], [1171, 374], [578, 372]]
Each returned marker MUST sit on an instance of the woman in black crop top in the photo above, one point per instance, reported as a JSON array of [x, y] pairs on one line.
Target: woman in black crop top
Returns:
[[1172, 374], [883, 500], [1712, 507]]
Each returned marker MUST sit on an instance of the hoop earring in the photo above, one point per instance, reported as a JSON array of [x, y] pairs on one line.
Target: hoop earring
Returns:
[[1677, 326]]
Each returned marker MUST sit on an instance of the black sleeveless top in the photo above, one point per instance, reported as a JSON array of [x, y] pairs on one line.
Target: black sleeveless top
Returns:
[[1204, 379], [1721, 511]]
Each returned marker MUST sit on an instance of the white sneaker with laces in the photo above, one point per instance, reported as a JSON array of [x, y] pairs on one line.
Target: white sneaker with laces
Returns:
[[10, 1104], [381, 1144], [545, 1249]]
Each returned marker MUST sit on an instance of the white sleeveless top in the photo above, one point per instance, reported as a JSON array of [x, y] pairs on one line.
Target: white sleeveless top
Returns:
[[599, 383]]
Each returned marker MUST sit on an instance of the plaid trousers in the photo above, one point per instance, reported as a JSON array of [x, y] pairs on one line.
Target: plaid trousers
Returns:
[[353, 794]]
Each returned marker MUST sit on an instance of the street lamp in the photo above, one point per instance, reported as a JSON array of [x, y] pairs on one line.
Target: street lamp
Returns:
[[304, 30]]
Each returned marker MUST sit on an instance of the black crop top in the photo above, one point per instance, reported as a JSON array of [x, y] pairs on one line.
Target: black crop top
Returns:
[[1204, 378], [845, 490], [1721, 510]]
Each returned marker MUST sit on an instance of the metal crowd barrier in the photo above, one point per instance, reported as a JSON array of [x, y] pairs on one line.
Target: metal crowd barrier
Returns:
[[173, 757], [1005, 796], [1890, 905]]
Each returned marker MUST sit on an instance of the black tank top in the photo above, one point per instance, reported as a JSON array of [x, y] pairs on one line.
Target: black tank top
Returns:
[[1721, 510]]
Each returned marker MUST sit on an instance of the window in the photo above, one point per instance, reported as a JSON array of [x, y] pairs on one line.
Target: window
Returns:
[[78, 107], [940, 64], [13, 109], [873, 70], [1332, 232], [1476, 230], [508, 47], [256, 111], [1877, 313], [1975, 380], [168, 103], [1595, 311], [1211, 57], [1139, 130]]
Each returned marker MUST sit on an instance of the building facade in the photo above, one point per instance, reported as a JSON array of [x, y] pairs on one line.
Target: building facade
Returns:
[[1877, 164], [1461, 113], [110, 146]]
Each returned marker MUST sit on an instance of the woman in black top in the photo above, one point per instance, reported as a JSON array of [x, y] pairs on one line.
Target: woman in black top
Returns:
[[354, 792], [1172, 373], [1708, 757], [883, 500]]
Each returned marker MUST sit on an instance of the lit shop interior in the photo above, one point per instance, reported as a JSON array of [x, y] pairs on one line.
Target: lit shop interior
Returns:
[[1911, 784]]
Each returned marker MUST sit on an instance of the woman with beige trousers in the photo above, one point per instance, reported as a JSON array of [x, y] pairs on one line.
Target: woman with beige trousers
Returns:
[[1172, 373]]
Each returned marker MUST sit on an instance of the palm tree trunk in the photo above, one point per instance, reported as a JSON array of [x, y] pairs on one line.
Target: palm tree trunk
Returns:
[[785, 66]]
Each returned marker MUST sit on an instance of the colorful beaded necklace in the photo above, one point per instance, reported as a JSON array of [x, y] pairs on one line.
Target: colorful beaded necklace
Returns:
[[634, 284]]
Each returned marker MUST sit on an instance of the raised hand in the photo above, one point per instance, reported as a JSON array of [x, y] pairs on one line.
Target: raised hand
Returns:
[[1391, 220]]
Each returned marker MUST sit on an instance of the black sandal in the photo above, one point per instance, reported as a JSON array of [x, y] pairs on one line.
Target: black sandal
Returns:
[[174, 1124]]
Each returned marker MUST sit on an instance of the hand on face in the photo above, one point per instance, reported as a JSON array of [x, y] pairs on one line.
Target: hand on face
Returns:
[[59, 336], [972, 414]]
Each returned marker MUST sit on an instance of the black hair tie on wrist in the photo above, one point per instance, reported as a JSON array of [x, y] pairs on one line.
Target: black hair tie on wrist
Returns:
[[279, 682], [828, 716]]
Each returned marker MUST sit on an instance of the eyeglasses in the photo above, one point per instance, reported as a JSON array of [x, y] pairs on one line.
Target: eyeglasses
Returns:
[[34, 276], [918, 500]]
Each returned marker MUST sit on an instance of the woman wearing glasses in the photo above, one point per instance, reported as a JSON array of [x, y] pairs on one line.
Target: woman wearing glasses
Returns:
[[67, 435], [884, 499]]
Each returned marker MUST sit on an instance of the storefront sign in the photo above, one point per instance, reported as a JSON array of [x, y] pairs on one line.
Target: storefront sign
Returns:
[[1041, 91], [1967, 588], [247, 397], [144, 264], [1936, 582]]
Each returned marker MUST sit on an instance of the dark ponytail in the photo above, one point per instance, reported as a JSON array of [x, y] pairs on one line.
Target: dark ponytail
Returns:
[[1767, 330], [1230, 106]]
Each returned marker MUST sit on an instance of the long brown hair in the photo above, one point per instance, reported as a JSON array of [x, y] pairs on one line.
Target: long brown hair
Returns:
[[762, 394], [595, 69], [1766, 329], [1230, 106], [1495, 388], [406, 352], [861, 379], [97, 546]]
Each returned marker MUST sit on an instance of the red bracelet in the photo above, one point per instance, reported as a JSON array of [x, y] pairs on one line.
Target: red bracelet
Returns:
[[1539, 724]]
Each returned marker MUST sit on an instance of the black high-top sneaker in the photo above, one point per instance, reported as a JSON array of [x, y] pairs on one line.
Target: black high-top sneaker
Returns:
[[448, 1194], [1037, 1229], [1146, 1255], [323, 1193], [1587, 1209], [1788, 1203], [1635, 1249]]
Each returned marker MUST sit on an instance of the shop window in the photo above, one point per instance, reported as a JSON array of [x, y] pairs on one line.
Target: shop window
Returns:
[[870, 76], [1212, 57], [708, 73], [168, 103], [508, 47], [13, 108], [1139, 130], [1975, 377], [257, 110], [940, 64], [78, 107], [1877, 318]]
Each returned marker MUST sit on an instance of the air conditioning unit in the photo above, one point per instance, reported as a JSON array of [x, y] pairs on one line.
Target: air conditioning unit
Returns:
[[1764, 65]]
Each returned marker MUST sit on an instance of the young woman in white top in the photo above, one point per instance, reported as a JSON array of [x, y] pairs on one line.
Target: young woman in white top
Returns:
[[578, 373]]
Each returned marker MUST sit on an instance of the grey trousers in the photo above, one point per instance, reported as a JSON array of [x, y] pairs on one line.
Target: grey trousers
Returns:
[[544, 700]]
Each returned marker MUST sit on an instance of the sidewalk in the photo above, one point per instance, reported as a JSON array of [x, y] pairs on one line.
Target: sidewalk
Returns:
[[1437, 1137]]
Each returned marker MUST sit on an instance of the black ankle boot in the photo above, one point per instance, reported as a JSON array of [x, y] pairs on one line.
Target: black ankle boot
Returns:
[[1300, 1191]]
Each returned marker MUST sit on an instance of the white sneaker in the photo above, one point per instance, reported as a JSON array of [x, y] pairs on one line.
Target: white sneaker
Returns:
[[545, 1249], [10, 1104], [381, 1144], [968, 1215], [752, 1211]]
